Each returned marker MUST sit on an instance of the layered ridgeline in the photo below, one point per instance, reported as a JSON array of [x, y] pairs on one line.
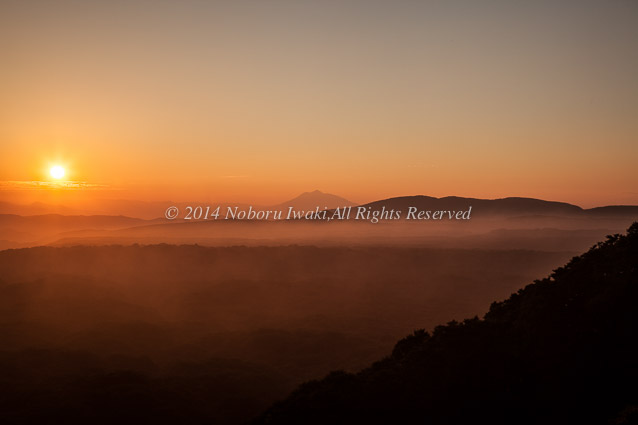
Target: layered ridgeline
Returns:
[[563, 350], [504, 207], [449, 222]]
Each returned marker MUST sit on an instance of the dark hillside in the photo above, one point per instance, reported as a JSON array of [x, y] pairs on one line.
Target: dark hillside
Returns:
[[563, 350]]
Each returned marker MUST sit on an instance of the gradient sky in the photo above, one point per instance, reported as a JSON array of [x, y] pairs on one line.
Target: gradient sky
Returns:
[[259, 101]]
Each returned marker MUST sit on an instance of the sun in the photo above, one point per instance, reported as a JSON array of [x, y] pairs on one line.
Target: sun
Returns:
[[57, 172]]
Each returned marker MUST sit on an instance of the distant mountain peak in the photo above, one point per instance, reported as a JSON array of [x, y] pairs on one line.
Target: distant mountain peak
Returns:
[[314, 199]]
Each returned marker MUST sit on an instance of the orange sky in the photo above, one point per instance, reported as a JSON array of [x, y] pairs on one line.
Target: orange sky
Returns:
[[257, 102]]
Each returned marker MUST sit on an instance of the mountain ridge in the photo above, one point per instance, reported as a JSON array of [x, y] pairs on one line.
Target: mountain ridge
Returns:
[[312, 199], [507, 205]]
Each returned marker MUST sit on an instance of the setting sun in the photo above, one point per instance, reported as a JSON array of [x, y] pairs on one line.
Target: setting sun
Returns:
[[57, 172]]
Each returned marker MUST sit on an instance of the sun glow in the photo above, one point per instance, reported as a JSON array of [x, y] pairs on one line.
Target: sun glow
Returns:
[[57, 172]]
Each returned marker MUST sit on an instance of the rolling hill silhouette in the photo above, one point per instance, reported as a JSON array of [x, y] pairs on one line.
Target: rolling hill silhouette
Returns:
[[563, 350], [505, 206], [16, 230], [512, 206], [66, 222]]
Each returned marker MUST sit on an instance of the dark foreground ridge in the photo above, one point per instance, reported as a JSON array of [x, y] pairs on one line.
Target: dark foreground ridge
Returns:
[[563, 350]]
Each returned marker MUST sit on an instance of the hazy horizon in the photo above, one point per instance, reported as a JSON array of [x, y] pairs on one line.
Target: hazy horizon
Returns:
[[59, 204]]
